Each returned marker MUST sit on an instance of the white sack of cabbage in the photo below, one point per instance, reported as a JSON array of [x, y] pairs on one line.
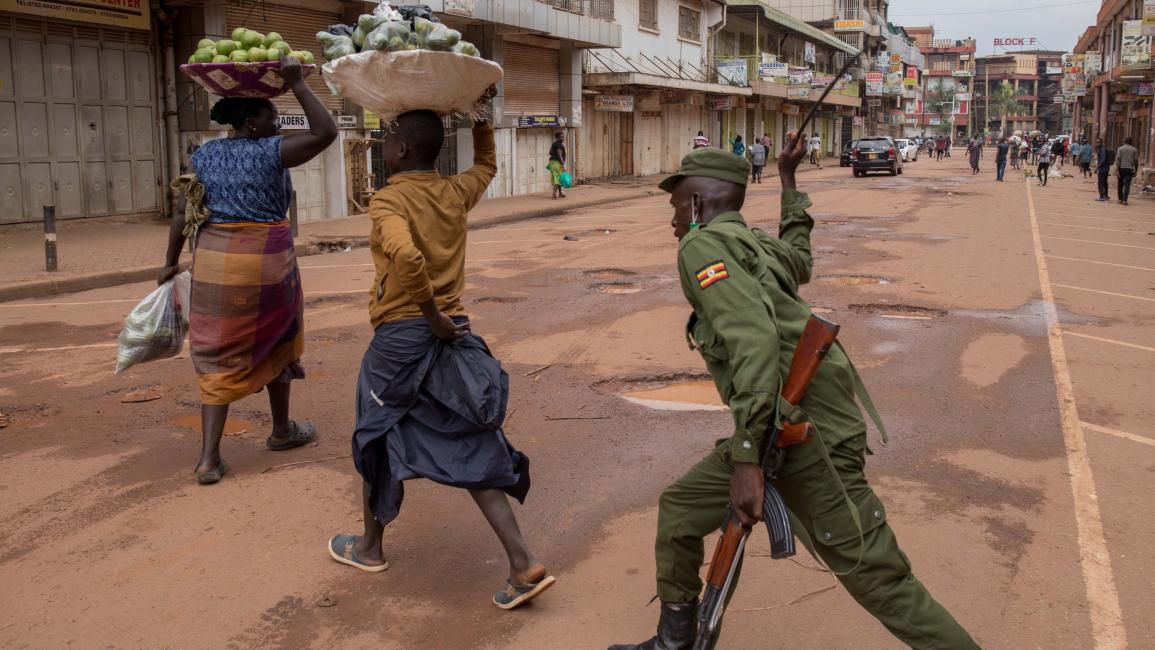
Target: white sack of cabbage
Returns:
[[392, 83]]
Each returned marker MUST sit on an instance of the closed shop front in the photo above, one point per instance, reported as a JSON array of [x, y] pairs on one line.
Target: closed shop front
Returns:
[[683, 121], [531, 84], [607, 142], [78, 120]]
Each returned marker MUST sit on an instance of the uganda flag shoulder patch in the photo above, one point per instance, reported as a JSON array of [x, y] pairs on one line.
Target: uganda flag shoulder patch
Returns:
[[712, 273]]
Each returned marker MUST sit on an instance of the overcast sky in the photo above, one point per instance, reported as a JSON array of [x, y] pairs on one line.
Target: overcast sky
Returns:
[[1057, 24]]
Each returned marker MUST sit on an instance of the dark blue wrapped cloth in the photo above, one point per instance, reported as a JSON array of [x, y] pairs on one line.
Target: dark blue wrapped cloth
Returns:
[[428, 408]]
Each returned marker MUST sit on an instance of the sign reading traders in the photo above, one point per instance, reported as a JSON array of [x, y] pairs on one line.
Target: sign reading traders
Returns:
[[129, 14], [614, 103]]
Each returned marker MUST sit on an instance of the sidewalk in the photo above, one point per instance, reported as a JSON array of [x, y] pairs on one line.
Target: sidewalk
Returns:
[[95, 253]]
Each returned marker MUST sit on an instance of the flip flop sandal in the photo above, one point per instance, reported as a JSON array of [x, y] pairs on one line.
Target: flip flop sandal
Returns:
[[302, 435], [341, 549], [213, 475], [516, 595]]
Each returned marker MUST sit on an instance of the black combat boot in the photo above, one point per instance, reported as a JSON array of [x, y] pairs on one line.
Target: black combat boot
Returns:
[[676, 629]]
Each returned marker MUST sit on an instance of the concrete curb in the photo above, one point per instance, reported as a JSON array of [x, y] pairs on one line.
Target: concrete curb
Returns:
[[104, 279]]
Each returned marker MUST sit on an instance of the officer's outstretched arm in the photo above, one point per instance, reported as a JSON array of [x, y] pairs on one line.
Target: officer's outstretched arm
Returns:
[[794, 231], [725, 295]]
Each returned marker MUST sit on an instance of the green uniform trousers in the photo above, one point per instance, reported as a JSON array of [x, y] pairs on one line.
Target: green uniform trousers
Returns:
[[695, 505]]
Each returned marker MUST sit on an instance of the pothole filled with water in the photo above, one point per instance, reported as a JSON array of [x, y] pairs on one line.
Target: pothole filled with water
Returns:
[[899, 311], [689, 395], [616, 288], [609, 274], [497, 300], [853, 278]]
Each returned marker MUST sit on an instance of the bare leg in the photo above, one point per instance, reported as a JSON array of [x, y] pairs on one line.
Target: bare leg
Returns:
[[368, 546], [212, 426], [523, 566], [279, 407]]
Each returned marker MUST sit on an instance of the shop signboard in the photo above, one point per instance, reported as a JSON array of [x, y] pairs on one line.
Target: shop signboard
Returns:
[[911, 80], [935, 121], [460, 7], [874, 102], [1148, 18], [372, 121], [773, 70], [1092, 62], [808, 53], [720, 103], [129, 14], [911, 121], [893, 84], [908, 107], [821, 80], [797, 92], [614, 103], [800, 76], [873, 84], [732, 71], [849, 25], [541, 120], [1145, 89], [963, 97], [292, 121], [1054, 70], [1073, 64], [857, 121], [962, 73], [1136, 48], [347, 122], [844, 111]]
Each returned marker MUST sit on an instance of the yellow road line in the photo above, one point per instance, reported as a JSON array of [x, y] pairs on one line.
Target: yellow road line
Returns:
[[1107, 628], [1105, 293], [1121, 434], [1103, 340], [1079, 259], [1067, 225], [1105, 243]]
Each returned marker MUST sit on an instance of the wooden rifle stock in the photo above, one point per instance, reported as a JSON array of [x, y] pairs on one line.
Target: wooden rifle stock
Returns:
[[817, 337]]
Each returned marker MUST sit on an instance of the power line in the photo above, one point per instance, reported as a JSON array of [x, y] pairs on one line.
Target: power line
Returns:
[[1000, 11]]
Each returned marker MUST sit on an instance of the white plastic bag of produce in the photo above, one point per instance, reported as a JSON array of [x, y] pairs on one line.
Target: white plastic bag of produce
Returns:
[[392, 83], [155, 328]]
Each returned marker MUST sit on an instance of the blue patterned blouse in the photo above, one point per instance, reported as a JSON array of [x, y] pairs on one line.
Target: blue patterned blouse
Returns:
[[244, 179]]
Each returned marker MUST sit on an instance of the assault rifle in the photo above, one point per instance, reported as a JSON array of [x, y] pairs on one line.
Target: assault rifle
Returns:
[[817, 337]]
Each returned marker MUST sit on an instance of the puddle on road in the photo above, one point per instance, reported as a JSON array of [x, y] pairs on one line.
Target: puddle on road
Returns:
[[232, 427], [616, 288], [691, 395], [852, 278]]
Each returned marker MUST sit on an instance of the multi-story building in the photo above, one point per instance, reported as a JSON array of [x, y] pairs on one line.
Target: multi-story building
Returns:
[[947, 84], [1118, 103], [903, 66], [1036, 77]]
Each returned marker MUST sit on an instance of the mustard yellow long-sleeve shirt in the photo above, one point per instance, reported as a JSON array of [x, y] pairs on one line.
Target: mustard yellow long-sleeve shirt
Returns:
[[418, 237]]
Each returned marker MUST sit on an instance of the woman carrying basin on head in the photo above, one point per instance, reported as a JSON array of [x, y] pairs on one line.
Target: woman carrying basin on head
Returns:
[[246, 328]]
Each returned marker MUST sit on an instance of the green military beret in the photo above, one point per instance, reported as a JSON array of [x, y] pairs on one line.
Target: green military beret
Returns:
[[712, 163]]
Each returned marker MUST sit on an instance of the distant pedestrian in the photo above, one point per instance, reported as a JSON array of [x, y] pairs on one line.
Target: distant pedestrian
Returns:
[[701, 141], [1104, 158], [974, 151], [1044, 165], [1001, 159], [556, 164], [1128, 160], [757, 155], [768, 142], [1014, 151], [940, 148], [1084, 157], [816, 151], [737, 147], [949, 143], [1058, 152]]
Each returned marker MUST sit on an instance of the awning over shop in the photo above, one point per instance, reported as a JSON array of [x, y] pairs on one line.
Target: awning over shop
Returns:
[[790, 22], [766, 89], [609, 79]]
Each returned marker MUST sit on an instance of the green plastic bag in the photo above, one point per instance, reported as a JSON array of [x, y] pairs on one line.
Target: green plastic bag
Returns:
[[566, 180]]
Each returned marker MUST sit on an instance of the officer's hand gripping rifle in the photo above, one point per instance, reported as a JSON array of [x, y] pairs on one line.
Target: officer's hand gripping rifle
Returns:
[[817, 337]]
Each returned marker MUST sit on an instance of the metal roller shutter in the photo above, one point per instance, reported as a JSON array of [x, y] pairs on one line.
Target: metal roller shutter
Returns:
[[531, 80], [299, 28]]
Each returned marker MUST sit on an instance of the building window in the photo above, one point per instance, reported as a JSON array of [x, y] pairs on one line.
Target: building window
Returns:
[[648, 14], [689, 24]]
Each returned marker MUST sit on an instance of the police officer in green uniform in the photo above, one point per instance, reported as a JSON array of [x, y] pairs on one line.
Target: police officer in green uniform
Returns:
[[748, 316]]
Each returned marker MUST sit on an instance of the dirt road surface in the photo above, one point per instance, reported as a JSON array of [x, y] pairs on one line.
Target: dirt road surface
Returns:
[[1018, 476]]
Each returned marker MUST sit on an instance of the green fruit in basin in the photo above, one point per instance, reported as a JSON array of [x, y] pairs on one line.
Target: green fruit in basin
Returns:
[[239, 56], [204, 56], [206, 43], [238, 33], [279, 46], [258, 54], [252, 39], [307, 57], [270, 38], [221, 58], [226, 46]]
